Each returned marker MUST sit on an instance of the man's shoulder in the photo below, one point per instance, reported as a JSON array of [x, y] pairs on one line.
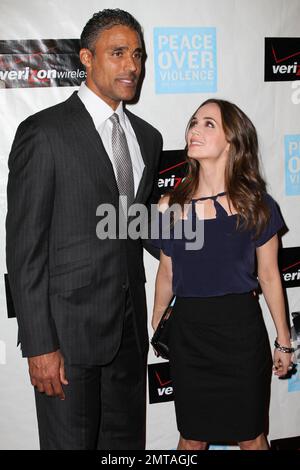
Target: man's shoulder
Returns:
[[145, 125], [55, 113]]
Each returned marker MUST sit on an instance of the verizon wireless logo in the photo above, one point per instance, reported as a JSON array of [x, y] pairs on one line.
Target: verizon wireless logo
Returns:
[[289, 264], [282, 59], [160, 383], [171, 172], [40, 63]]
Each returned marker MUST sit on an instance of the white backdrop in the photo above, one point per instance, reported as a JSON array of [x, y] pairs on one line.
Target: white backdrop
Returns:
[[241, 27]]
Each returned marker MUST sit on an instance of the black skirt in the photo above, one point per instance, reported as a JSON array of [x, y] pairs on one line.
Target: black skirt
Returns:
[[221, 367]]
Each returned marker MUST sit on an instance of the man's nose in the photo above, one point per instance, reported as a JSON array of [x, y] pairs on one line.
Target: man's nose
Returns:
[[131, 64]]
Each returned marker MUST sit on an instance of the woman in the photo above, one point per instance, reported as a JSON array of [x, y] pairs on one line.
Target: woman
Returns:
[[219, 350]]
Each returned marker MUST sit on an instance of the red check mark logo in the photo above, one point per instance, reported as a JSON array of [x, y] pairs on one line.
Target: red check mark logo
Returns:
[[283, 58], [161, 383], [171, 167], [291, 266]]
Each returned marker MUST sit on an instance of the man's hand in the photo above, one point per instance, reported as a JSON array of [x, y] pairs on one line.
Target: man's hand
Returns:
[[47, 373]]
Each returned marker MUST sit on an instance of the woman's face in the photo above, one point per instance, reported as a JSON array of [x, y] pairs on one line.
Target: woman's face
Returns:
[[206, 138]]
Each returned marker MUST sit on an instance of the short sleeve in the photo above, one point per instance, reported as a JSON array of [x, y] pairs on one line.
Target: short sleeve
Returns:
[[274, 224], [159, 239]]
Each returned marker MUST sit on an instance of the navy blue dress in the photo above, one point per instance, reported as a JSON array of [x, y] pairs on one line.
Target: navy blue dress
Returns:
[[226, 263], [220, 355]]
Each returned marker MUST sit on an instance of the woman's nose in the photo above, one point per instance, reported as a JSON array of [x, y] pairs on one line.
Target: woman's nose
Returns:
[[196, 131]]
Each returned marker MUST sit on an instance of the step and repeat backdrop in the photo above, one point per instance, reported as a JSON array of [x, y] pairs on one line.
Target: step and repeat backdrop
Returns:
[[247, 52]]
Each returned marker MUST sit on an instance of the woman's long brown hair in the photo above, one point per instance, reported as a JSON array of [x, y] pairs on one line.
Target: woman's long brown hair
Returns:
[[244, 184]]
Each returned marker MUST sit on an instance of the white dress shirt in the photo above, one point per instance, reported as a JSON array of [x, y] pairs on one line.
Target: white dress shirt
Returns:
[[100, 112]]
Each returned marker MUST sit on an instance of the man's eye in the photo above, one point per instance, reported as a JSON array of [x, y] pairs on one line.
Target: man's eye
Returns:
[[138, 55], [118, 53]]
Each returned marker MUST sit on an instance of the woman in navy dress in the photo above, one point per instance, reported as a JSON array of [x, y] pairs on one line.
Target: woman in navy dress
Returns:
[[220, 357]]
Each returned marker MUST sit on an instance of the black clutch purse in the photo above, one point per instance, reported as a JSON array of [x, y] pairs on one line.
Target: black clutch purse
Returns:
[[160, 338]]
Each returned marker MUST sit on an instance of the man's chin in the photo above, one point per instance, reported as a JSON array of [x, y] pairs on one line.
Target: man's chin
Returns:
[[128, 96], [127, 93]]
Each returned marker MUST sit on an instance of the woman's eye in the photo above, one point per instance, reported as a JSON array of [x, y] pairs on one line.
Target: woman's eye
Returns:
[[209, 124]]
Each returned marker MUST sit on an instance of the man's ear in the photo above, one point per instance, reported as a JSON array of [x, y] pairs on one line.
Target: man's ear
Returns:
[[85, 56]]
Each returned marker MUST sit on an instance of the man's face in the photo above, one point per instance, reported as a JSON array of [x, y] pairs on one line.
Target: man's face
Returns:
[[113, 70]]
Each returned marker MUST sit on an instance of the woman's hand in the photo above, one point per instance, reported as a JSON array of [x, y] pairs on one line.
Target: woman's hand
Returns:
[[282, 363], [155, 320]]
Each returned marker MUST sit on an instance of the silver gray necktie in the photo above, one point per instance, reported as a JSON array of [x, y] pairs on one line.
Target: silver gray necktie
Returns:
[[122, 160]]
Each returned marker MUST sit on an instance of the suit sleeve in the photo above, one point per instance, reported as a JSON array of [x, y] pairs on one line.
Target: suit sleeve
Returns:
[[30, 196], [147, 243]]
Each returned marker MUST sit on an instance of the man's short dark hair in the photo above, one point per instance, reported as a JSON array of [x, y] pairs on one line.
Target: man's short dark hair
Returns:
[[106, 19]]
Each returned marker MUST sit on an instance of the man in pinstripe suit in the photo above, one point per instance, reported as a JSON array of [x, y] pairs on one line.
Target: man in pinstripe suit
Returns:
[[80, 301]]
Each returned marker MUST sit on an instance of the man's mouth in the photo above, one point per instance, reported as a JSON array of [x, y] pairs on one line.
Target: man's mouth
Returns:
[[127, 81]]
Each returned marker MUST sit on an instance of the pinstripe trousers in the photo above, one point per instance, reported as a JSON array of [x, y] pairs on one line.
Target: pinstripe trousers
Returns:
[[105, 406]]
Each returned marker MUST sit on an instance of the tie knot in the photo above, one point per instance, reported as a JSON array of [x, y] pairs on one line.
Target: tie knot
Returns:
[[114, 119]]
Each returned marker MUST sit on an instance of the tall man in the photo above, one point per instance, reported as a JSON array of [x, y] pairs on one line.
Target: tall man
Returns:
[[80, 301]]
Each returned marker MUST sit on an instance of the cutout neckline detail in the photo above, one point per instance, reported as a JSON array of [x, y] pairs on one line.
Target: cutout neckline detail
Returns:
[[210, 197], [221, 212]]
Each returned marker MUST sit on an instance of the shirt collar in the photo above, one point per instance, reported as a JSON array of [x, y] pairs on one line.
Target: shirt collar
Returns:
[[97, 108]]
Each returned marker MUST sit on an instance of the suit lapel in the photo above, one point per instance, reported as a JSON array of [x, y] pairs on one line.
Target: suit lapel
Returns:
[[96, 150], [141, 138], [94, 146]]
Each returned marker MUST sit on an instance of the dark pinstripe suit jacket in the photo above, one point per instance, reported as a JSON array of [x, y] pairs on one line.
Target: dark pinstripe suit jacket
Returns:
[[69, 287]]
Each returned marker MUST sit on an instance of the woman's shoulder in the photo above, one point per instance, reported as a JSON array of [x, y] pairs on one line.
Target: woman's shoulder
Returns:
[[267, 197], [163, 203], [269, 200]]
